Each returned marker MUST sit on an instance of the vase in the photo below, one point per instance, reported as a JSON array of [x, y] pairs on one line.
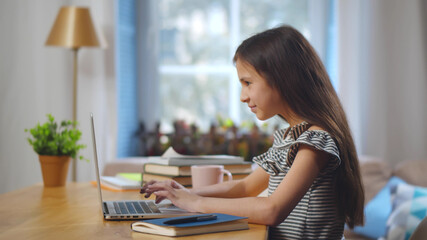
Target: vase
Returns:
[[54, 170]]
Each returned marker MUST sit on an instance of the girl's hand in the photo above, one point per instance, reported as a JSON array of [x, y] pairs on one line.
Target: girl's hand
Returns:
[[148, 191], [176, 193]]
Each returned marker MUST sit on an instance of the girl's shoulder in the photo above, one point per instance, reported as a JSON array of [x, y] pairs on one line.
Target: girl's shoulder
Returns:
[[321, 140], [315, 127], [301, 131], [316, 135]]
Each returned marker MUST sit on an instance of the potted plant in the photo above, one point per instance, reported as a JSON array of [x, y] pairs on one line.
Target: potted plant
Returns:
[[55, 144]]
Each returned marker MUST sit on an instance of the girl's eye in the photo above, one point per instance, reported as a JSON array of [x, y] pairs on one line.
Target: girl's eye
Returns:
[[247, 83]]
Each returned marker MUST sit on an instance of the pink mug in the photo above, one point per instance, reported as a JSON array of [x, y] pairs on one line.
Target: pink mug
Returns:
[[204, 175]]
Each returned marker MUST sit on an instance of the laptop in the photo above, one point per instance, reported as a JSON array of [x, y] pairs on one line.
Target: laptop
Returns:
[[132, 209]]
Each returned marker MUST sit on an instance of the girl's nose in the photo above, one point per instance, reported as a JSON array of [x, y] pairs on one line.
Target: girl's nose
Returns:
[[243, 96]]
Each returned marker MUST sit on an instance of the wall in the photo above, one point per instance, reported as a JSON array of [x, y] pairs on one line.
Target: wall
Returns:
[[383, 77], [36, 80]]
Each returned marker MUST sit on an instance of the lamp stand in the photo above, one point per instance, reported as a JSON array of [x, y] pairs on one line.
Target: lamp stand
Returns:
[[73, 28], [74, 161]]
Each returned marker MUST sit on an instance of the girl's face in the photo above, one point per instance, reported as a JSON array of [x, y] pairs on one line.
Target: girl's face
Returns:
[[262, 99]]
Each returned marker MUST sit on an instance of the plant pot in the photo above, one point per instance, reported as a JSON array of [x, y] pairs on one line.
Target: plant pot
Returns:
[[54, 170]]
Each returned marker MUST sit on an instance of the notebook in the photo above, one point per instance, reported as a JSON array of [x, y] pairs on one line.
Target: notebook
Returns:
[[132, 209], [221, 223]]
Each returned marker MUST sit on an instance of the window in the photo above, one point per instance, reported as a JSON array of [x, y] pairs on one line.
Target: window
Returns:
[[198, 81], [177, 54]]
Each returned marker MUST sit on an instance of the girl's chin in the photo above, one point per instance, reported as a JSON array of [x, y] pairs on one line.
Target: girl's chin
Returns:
[[262, 117]]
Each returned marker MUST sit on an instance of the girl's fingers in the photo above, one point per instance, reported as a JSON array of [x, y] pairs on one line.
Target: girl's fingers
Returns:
[[146, 185], [175, 184], [162, 190], [153, 185], [159, 186], [161, 195], [151, 182], [159, 199]]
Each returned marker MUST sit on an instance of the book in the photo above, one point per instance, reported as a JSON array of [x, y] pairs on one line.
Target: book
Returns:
[[112, 188], [120, 183], [171, 170], [130, 176], [183, 180], [222, 223], [171, 157]]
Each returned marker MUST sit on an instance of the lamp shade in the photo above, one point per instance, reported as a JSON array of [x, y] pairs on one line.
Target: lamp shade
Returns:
[[73, 28]]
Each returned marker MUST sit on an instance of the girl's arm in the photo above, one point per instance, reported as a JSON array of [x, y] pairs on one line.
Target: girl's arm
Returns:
[[250, 186], [269, 211]]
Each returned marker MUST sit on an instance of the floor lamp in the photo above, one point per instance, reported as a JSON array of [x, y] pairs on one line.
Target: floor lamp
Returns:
[[73, 28]]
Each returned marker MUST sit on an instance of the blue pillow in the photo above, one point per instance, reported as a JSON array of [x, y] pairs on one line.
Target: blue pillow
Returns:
[[377, 212], [409, 209]]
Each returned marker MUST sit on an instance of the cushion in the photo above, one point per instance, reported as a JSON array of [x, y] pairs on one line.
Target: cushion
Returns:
[[409, 208], [377, 211]]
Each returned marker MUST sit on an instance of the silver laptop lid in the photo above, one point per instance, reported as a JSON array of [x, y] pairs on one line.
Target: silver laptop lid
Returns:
[[95, 156]]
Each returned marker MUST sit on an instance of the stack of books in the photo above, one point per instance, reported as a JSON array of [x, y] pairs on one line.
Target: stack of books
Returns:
[[174, 166]]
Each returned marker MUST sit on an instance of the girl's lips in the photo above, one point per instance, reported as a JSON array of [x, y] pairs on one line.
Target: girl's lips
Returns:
[[253, 108]]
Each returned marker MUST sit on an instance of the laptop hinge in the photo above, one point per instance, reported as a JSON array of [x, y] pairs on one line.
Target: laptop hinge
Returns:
[[106, 208]]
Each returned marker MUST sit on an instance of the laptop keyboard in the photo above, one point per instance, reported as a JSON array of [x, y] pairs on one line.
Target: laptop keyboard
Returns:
[[135, 207]]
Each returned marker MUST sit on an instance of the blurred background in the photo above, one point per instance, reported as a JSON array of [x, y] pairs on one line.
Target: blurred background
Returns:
[[164, 76]]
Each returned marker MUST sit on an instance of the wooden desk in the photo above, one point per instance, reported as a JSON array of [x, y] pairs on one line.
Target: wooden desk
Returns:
[[73, 212]]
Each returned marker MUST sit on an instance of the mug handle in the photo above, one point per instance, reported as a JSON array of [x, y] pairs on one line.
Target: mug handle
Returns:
[[229, 176]]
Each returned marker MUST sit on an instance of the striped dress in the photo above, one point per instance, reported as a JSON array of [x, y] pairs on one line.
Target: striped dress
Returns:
[[316, 215]]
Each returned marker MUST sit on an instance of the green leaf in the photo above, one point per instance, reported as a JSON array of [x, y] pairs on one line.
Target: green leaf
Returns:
[[51, 139]]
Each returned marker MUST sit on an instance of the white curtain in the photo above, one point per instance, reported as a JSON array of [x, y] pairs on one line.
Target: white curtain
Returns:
[[36, 80], [382, 76], [147, 60]]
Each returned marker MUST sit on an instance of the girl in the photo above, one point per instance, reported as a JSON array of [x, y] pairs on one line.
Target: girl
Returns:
[[311, 171]]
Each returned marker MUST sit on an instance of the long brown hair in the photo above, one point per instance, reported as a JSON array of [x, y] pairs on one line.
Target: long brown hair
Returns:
[[290, 64]]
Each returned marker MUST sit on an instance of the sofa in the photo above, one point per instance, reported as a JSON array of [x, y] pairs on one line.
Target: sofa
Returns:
[[389, 193]]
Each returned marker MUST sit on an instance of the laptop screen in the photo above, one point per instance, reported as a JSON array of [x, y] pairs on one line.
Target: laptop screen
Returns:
[[95, 156]]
